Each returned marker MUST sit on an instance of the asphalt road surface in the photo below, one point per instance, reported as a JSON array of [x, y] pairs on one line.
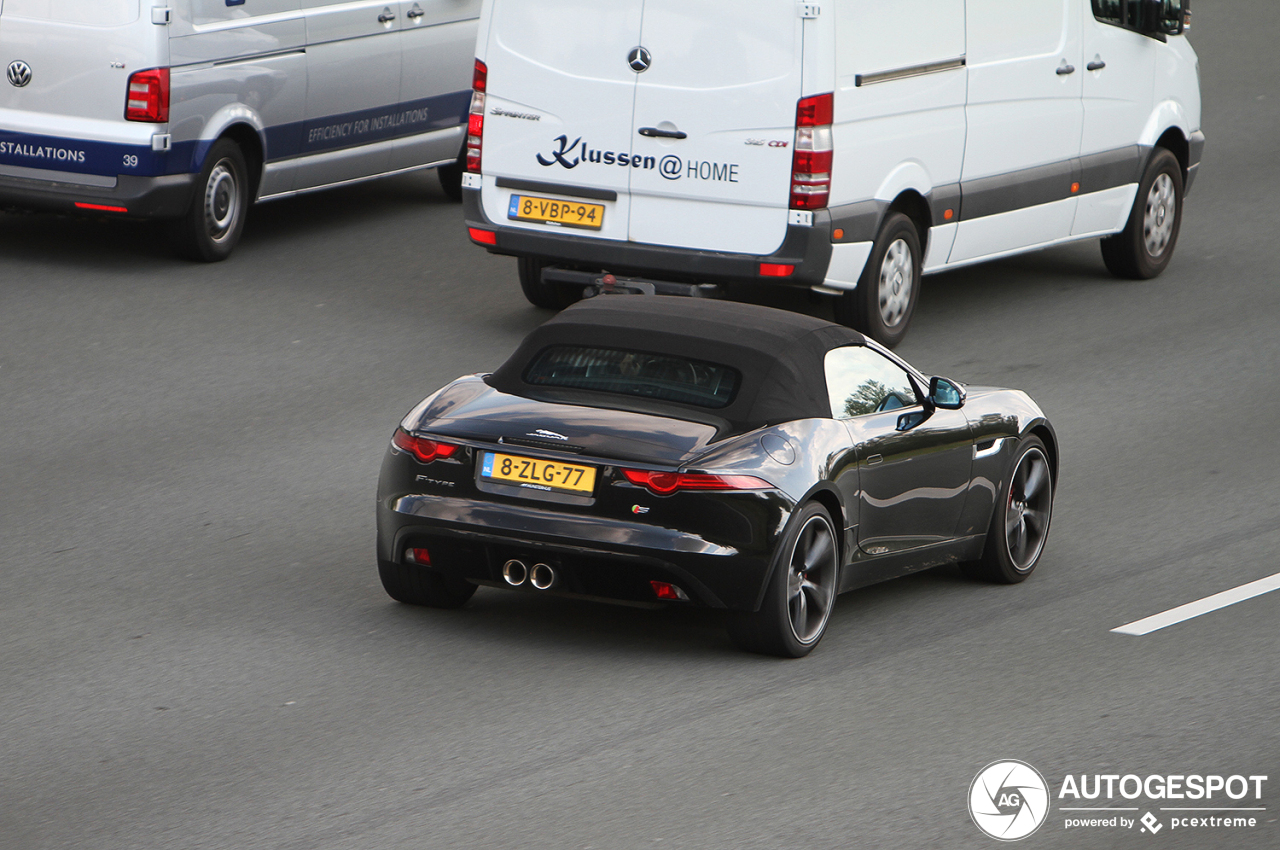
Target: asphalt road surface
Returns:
[[195, 651]]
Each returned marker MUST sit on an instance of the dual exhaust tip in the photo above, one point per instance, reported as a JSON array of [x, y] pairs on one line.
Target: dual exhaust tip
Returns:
[[540, 576]]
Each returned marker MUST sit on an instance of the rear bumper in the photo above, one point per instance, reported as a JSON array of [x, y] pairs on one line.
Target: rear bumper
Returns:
[[808, 249], [593, 557], [167, 196]]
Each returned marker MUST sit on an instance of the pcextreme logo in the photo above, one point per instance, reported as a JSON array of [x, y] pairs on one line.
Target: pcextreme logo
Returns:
[[1009, 800]]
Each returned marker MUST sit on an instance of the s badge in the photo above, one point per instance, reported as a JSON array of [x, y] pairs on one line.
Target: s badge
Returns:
[[637, 509]]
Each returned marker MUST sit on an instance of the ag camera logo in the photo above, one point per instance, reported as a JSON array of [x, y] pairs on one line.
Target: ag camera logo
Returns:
[[1009, 800]]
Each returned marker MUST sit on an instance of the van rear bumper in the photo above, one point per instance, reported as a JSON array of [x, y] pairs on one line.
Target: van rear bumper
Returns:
[[167, 196], [808, 249]]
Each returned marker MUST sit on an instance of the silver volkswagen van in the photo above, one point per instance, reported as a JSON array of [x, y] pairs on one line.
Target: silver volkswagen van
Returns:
[[191, 109]]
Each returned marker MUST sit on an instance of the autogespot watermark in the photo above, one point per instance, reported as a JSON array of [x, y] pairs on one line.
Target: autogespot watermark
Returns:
[[1009, 800]]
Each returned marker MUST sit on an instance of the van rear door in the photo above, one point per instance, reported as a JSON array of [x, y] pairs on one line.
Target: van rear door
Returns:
[[558, 107], [71, 63], [727, 77]]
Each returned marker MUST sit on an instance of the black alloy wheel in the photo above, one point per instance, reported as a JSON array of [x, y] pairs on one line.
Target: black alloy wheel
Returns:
[[1020, 521], [416, 585], [889, 289], [211, 228], [1143, 249], [802, 590]]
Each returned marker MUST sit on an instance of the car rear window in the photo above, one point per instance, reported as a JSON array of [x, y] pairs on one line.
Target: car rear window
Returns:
[[664, 377]]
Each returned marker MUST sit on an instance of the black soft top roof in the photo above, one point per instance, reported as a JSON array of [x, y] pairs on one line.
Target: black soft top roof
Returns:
[[780, 354]]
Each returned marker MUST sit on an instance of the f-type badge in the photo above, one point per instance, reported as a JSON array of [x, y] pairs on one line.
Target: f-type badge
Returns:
[[639, 59], [19, 73]]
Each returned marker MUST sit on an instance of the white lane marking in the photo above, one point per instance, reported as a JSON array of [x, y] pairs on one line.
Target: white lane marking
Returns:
[[1200, 606]]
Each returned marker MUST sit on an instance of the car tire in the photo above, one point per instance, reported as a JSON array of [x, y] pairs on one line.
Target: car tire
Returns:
[[451, 176], [1143, 249], [212, 225], [552, 296], [414, 585], [1020, 522], [805, 575], [882, 305]]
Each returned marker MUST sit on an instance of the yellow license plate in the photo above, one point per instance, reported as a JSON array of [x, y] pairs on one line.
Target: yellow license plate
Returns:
[[550, 211], [538, 474]]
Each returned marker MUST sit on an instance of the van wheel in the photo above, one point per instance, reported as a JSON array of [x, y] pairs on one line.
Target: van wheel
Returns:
[[1143, 249], [553, 296], [882, 305], [212, 226], [451, 177]]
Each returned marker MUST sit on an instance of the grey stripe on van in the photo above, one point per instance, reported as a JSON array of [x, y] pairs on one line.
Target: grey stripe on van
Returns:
[[1004, 192]]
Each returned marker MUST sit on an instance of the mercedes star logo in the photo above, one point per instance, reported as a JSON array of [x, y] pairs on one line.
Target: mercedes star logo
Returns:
[[19, 73], [639, 59]]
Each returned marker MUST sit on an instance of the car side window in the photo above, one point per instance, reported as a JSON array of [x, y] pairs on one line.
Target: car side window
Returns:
[[860, 381]]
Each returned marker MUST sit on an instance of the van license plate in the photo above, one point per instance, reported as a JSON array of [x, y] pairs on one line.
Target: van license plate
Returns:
[[538, 474], [550, 211]]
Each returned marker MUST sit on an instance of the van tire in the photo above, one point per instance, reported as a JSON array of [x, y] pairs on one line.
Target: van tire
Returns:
[[451, 177], [552, 296], [879, 307], [212, 225], [1143, 249]]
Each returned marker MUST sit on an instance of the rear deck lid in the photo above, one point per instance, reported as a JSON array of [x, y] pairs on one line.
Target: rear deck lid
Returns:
[[471, 409]]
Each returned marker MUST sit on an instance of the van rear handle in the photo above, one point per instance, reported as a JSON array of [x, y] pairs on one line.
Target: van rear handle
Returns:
[[654, 132]]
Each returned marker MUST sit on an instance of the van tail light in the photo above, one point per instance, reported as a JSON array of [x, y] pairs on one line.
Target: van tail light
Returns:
[[148, 96], [666, 483], [811, 157], [421, 448], [475, 118]]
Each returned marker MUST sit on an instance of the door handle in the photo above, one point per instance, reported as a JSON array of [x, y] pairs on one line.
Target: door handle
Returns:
[[386, 17], [1095, 65], [654, 132], [1065, 69], [415, 12]]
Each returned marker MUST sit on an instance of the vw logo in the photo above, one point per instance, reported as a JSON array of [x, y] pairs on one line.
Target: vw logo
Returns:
[[639, 59], [19, 73]]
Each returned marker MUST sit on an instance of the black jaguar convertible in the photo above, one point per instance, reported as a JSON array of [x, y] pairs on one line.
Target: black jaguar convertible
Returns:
[[647, 449]]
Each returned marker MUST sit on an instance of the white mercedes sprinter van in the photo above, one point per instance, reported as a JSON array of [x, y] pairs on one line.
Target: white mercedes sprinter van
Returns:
[[844, 145], [190, 109]]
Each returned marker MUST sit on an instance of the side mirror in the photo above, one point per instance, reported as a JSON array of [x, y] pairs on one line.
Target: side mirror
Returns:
[[1161, 18], [945, 394]]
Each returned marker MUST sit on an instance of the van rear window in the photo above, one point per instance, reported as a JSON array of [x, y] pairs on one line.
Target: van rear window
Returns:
[[664, 377]]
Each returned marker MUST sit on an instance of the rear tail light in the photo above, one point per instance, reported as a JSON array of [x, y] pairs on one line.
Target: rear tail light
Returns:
[[418, 556], [420, 447], [666, 590], [666, 483], [486, 237], [811, 159], [475, 118], [776, 269], [148, 96]]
